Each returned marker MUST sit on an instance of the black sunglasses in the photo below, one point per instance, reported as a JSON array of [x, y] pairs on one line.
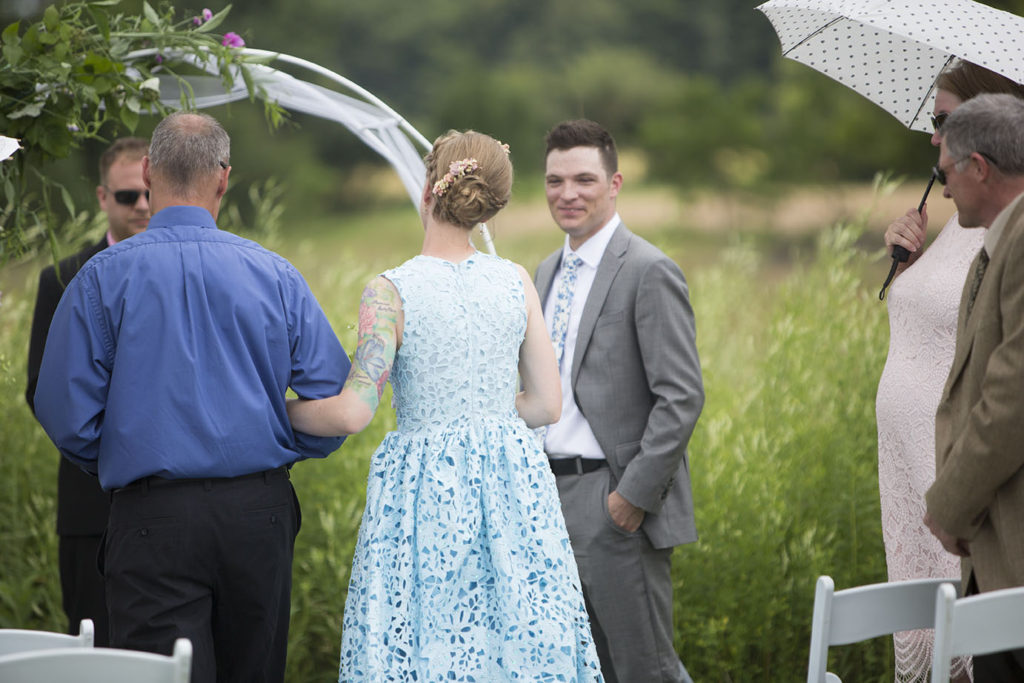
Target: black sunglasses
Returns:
[[940, 173], [939, 119], [129, 197]]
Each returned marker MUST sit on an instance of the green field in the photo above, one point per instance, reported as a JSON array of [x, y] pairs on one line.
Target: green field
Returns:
[[792, 340]]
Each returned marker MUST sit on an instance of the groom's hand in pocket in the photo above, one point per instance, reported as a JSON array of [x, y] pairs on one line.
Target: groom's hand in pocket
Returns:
[[624, 513]]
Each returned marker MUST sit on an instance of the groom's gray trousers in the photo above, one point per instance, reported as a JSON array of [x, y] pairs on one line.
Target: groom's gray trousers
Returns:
[[627, 586]]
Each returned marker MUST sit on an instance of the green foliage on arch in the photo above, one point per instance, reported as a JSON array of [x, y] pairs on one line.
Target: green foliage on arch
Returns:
[[86, 71]]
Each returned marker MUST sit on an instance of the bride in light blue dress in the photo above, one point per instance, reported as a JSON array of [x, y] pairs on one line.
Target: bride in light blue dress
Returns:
[[463, 569]]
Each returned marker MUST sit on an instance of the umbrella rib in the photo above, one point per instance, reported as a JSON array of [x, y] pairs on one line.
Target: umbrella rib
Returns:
[[924, 99], [816, 32]]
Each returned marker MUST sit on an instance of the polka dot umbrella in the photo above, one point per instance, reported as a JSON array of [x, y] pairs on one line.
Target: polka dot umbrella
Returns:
[[891, 51]]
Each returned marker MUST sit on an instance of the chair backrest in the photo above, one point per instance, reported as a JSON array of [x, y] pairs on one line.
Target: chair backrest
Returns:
[[15, 640], [865, 612], [98, 665], [975, 625]]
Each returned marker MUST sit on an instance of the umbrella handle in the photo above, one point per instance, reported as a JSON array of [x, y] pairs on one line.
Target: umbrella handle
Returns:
[[900, 254], [892, 273], [927, 189]]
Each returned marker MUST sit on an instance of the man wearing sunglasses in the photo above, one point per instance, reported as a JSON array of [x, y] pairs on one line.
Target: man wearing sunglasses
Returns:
[[82, 506], [976, 504]]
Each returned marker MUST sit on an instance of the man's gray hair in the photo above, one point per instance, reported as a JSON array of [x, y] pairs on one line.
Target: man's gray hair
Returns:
[[992, 125], [186, 149]]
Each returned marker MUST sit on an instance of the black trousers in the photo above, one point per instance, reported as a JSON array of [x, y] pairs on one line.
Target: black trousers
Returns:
[[998, 667], [81, 585], [209, 560]]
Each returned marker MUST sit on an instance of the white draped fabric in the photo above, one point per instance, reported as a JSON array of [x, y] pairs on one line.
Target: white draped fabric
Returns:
[[372, 121]]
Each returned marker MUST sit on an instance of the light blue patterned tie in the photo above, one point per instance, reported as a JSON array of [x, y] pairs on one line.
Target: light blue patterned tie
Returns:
[[563, 303]]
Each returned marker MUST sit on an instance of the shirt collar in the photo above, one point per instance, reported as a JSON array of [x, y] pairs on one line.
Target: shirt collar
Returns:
[[993, 233], [174, 216], [591, 251]]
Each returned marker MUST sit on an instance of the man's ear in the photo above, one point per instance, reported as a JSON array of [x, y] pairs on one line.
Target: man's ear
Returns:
[[984, 166], [222, 182], [616, 183]]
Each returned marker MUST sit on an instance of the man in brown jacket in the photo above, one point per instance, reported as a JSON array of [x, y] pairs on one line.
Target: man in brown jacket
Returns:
[[976, 505]]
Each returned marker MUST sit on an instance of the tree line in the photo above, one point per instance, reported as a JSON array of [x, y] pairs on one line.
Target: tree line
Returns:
[[699, 88]]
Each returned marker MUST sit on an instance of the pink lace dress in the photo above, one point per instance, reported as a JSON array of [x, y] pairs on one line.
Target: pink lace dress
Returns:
[[923, 305]]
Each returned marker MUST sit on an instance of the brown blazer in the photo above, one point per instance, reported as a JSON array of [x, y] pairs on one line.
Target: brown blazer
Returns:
[[978, 494]]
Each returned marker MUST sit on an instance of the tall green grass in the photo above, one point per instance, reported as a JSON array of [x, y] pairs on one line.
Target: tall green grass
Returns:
[[783, 463]]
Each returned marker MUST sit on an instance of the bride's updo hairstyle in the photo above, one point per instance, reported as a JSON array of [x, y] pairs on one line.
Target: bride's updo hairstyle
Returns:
[[470, 177]]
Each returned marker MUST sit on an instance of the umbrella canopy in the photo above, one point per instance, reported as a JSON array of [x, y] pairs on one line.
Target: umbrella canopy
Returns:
[[891, 51]]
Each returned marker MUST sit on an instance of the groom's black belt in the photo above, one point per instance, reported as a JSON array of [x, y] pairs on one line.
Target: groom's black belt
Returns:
[[575, 464]]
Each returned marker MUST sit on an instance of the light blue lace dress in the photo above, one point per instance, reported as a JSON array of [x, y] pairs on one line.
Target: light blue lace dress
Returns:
[[463, 569]]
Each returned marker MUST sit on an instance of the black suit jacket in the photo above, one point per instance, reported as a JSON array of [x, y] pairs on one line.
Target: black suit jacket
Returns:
[[82, 506]]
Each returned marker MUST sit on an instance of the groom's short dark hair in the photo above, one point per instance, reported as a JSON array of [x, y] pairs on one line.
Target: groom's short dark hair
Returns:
[[584, 133]]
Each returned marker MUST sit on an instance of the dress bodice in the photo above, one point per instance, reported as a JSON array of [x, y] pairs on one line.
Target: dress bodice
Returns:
[[463, 326]]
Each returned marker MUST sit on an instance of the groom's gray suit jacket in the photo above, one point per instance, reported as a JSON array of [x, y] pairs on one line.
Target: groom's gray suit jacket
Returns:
[[637, 380]]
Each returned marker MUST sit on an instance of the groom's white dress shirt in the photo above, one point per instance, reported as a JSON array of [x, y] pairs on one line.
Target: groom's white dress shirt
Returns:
[[572, 434]]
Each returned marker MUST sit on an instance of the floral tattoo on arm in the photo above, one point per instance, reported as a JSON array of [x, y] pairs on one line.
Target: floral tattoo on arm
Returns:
[[378, 340]]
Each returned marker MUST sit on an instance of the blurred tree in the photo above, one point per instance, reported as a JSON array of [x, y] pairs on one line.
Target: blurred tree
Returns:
[[725, 39], [700, 135], [698, 87], [618, 86], [795, 128]]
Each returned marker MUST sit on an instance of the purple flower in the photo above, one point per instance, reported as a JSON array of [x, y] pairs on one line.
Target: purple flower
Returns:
[[159, 59], [196, 21], [232, 39], [207, 14], [73, 128]]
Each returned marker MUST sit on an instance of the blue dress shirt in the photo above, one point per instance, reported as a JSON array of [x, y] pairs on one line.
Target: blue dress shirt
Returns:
[[170, 354]]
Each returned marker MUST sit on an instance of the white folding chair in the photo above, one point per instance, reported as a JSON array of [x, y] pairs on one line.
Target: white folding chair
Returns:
[[865, 612], [98, 665], [15, 640], [975, 625]]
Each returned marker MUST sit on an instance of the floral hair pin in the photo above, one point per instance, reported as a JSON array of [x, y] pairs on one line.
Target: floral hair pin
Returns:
[[504, 147], [457, 169]]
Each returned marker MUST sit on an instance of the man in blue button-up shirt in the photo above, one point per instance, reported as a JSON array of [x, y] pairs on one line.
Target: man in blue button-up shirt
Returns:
[[165, 373]]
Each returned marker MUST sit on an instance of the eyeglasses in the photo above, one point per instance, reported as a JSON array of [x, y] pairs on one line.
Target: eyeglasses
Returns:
[[129, 197], [939, 119], [940, 173]]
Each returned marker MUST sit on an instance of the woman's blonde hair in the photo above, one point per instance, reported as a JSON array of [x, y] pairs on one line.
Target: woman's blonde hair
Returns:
[[473, 195]]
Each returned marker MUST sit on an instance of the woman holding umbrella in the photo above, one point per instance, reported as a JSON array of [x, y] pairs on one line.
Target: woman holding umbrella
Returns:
[[923, 305]]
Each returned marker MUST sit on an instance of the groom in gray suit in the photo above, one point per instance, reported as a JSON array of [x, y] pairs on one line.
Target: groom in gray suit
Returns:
[[619, 315]]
